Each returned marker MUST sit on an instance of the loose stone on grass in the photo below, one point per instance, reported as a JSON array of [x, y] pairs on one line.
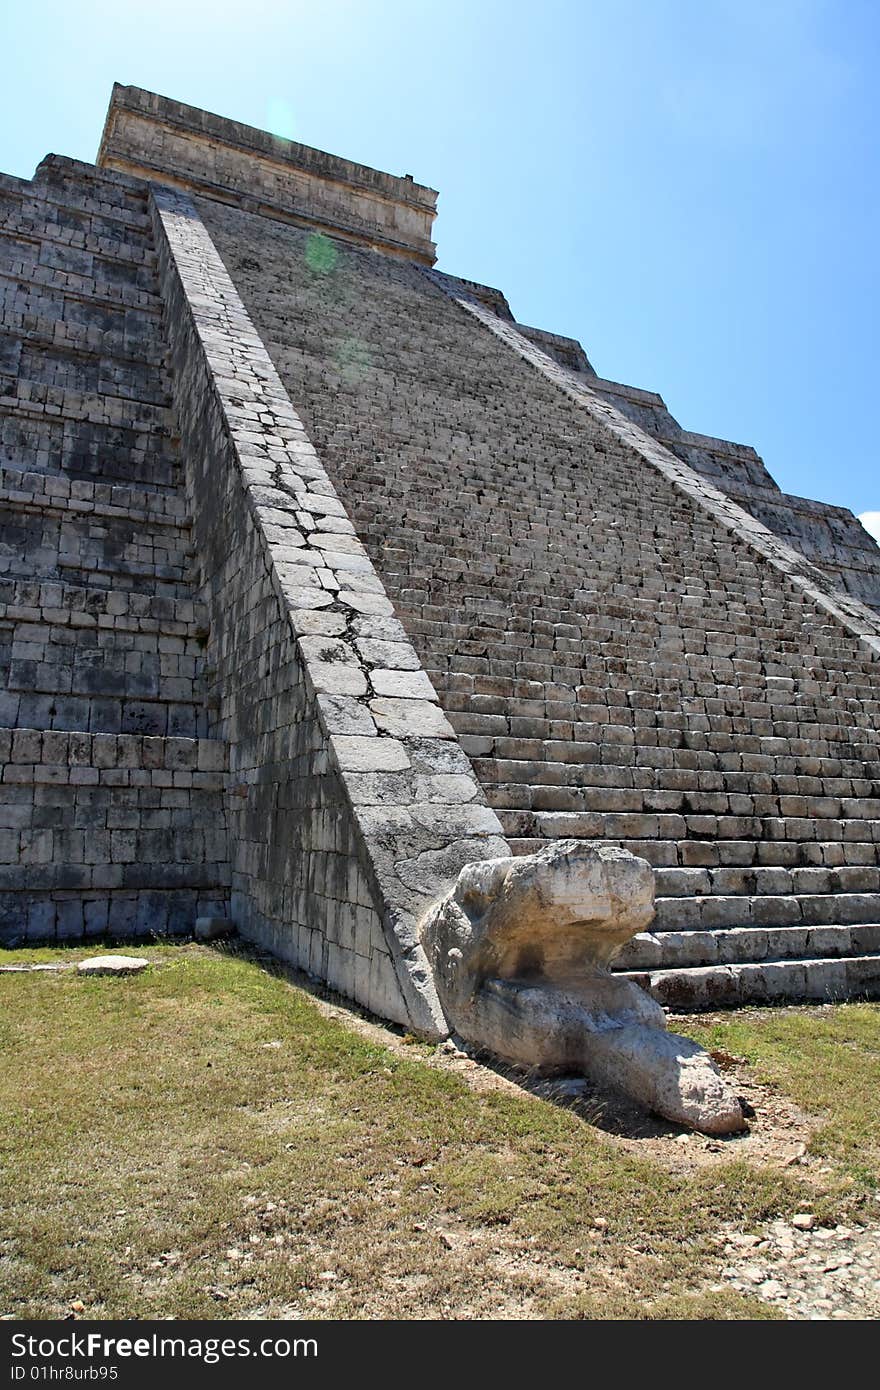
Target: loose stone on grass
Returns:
[[112, 965]]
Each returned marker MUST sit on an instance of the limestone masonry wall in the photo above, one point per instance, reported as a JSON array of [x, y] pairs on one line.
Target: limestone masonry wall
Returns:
[[150, 136], [111, 797]]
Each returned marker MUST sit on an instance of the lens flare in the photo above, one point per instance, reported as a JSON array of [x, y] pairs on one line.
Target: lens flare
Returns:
[[353, 359], [280, 119], [321, 254]]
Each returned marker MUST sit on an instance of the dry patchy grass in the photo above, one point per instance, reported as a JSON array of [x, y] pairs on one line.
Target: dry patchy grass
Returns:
[[208, 1140], [827, 1058]]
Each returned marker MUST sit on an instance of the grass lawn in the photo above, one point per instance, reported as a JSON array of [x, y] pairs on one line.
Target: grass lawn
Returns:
[[209, 1140]]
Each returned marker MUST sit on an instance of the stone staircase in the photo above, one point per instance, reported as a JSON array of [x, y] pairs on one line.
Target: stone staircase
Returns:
[[112, 792], [760, 855], [617, 663], [830, 537], [750, 866]]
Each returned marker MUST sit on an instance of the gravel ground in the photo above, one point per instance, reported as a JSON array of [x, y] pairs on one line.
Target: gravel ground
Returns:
[[815, 1273]]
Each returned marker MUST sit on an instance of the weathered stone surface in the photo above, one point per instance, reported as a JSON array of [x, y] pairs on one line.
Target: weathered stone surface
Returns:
[[147, 134], [414, 718], [323, 815], [111, 782], [408, 685], [213, 928], [112, 965], [358, 754], [645, 664], [520, 949]]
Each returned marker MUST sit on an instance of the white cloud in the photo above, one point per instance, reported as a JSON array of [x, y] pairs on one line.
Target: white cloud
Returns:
[[871, 523]]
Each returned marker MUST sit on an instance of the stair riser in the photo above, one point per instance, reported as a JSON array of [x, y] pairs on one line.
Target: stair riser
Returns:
[[841, 909], [626, 826], [684, 950], [770, 983], [764, 882]]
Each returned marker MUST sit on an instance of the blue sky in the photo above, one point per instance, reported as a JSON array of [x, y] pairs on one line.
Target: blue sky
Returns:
[[688, 186]]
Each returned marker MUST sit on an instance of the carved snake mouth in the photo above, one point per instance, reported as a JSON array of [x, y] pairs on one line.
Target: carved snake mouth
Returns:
[[576, 1007]]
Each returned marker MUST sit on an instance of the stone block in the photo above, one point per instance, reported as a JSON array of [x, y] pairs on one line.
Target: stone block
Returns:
[[358, 754]]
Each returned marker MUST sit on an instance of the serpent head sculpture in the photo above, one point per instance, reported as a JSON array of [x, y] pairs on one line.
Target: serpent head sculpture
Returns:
[[520, 950]]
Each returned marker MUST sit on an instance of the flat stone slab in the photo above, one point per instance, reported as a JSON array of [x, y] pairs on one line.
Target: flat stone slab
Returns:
[[112, 965], [28, 969]]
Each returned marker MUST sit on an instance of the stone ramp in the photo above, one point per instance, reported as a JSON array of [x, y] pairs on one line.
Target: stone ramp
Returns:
[[112, 794]]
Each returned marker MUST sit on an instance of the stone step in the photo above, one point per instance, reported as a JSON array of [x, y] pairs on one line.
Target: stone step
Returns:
[[787, 854], [568, 794], [717, 673], [499, 663], [773, 910], [33, 916], [757, 738], [107, 452], [78, 605], [767, 880], [533, 610], [667, 767], [556, 719], [667, 788], [666, 712], [590, 591], [582, 696], [573, 672], [671, 950], [597, 825], [769, 981]]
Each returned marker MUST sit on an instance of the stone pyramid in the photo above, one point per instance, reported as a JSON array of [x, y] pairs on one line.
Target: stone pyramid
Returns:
[[322, 577]]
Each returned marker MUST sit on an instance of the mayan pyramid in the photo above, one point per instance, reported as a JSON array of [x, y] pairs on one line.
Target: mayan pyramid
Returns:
[[322, 577]]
